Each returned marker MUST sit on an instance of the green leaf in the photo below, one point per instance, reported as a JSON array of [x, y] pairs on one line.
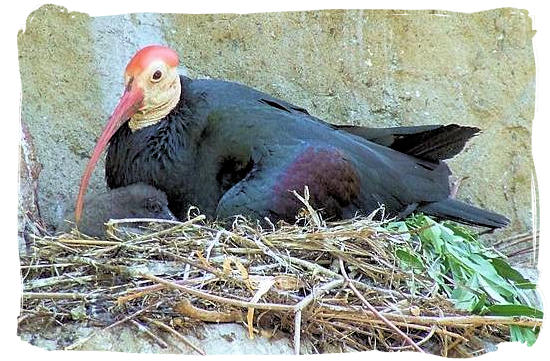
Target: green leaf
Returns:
[[435, 271], [514, 310], [523, 334], [506, 271], [530, 336], [432, 234], [466, 297], [459, 273], [400, 227], [409, 259], [486, 267], [448, 235], [515, 334], [468, 302], [461, 231], [490, 281], [473, 276], [456, 250], [495, 291], [480, 305], [498, 283]]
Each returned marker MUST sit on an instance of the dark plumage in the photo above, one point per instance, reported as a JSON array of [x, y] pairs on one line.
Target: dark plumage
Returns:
[[132, 201], [428, 142], [230, 149]]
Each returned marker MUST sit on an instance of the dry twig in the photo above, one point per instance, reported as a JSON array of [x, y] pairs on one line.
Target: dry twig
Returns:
[[378, 314], [294, 274]]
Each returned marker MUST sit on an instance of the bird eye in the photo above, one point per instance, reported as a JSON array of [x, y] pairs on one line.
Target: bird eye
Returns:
[[153, 206], [157, 75]]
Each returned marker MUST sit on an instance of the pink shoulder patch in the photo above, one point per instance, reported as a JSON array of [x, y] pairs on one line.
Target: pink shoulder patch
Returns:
[[332, 181]]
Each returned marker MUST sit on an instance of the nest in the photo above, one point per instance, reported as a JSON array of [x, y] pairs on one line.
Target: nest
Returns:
[[335, 286]]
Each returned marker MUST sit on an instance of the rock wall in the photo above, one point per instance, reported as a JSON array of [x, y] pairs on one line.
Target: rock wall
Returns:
[[213, 339], [378, 68]]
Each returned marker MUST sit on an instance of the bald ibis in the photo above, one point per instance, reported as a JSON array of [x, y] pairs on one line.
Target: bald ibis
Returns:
[[230, 149], [134, 201]]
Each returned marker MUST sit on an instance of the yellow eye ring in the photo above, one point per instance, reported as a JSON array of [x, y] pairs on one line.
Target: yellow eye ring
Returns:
[[157, 75]]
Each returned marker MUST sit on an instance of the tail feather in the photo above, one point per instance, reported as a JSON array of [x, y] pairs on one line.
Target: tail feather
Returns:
[[464, 213], [428, 142], [436, 144]]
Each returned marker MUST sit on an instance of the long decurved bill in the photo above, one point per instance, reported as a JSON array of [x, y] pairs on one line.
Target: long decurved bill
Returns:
[[127, 106]]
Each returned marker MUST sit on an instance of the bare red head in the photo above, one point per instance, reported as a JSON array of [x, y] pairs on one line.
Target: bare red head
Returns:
[[150, 54], [152, 90]]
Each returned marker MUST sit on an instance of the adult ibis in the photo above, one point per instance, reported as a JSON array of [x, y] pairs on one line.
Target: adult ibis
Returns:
[[230, 149]]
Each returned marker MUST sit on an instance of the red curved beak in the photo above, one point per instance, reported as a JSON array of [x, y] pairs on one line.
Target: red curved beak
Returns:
[[127, 106]]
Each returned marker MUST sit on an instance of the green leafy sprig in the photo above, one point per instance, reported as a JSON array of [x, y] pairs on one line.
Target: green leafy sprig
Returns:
[[476, 278]]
